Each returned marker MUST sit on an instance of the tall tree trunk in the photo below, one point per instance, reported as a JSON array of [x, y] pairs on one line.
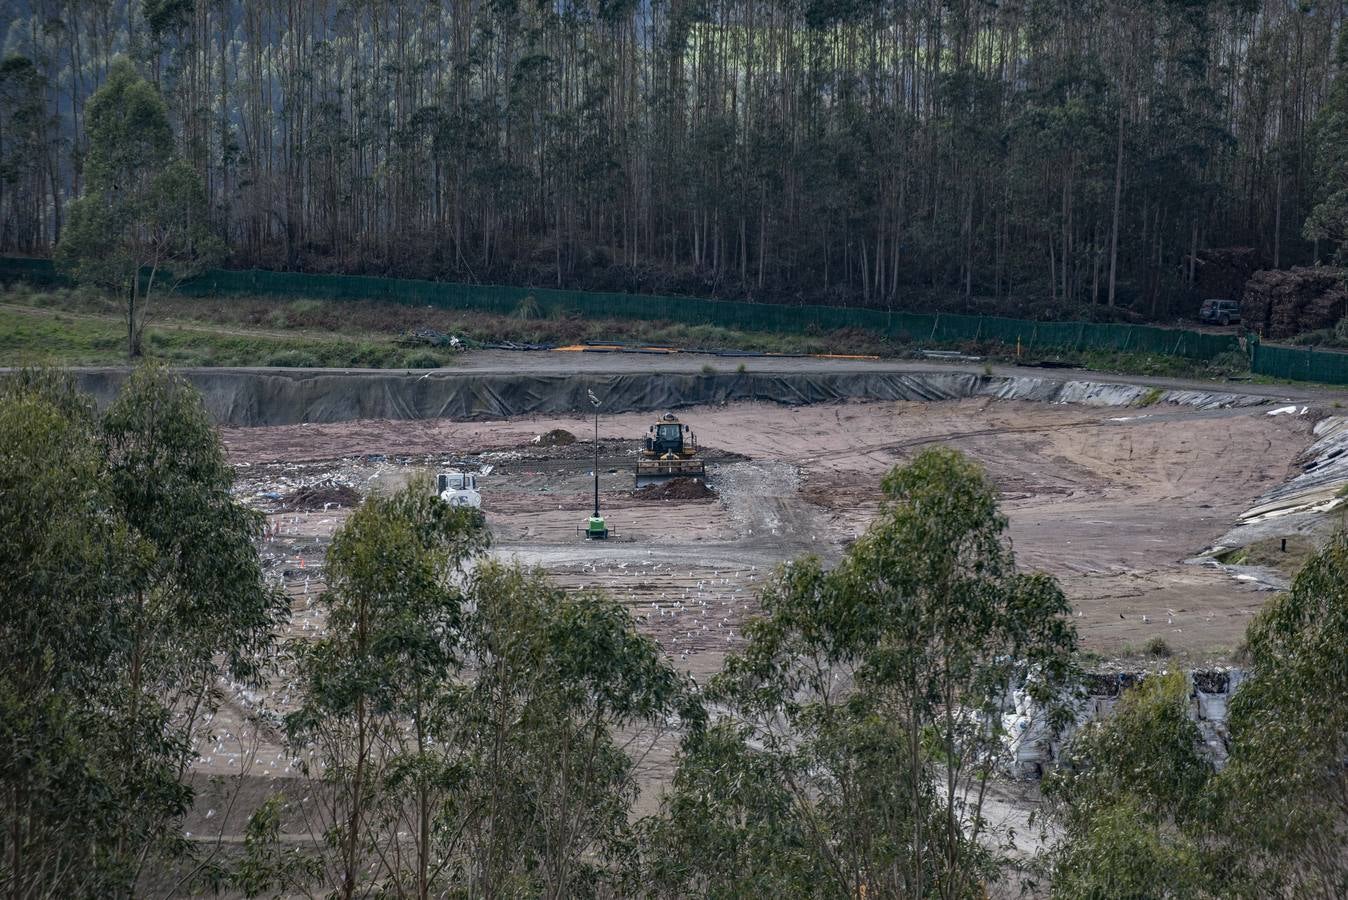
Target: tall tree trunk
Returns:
[[1114, 225]]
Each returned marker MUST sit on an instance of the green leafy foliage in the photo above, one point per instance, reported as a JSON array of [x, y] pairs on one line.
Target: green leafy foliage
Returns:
[[465, 724], [862, 719], [61, 563], [1130, 787], [1120, 851], [1144, 814], [131, 589], [142, 217], [1284, 794], [394, 606]]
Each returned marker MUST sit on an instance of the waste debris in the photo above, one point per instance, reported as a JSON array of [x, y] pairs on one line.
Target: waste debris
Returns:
[[319, 497]]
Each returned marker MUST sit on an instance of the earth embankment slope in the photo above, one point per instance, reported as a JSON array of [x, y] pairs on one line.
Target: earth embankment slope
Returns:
[[536, 384]]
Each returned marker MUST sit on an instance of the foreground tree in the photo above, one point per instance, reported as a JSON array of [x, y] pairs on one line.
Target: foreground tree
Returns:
[[132, 594], [1144, 814], [394, 603], [465, 727], [1130, 799], [64, 563], [198, 613], [864, 718], [1283, 797], [142, 220]]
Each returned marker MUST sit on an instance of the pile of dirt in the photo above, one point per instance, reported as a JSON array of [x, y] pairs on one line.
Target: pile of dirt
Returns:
[[676, 489], [1280, 303], [319, 497], [557, 437]]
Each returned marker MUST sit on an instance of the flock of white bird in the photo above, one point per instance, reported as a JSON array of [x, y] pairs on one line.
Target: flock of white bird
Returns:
[[686, 610]]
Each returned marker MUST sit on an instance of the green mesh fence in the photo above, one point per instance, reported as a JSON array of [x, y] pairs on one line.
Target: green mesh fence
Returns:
[[1296, 364], [915, 327], [37, 271]]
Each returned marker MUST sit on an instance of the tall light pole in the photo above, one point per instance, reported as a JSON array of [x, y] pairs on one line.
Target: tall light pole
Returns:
[[596, 529]]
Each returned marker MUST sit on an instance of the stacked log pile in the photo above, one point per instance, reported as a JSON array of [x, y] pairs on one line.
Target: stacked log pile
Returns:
[[1281, 303]]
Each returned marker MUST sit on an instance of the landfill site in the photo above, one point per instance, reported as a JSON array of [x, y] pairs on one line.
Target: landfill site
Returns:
[[1165, 512]]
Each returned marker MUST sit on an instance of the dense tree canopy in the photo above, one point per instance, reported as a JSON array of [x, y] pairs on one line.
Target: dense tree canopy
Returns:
[[142, 218], [858, 728], [465, 726], [1144, 813], [884, 152], [1328, 220], [130, 594]]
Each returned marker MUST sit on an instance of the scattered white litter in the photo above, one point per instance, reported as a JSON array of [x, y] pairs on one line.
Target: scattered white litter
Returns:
[[1284, 410]]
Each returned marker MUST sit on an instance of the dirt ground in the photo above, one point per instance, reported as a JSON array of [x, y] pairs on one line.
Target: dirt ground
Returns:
[[1112, 502]]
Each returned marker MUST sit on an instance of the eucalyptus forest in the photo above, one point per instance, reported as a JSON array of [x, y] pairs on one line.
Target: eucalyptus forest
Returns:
[[1064, 153]]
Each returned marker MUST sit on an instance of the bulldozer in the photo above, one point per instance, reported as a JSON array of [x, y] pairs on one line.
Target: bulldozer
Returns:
[[669, 451]]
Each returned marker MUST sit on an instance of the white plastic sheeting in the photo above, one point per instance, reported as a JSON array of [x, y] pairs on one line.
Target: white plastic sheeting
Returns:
[[1031, 747]]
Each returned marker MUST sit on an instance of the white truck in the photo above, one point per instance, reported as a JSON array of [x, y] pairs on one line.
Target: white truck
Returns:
[[458, 489]]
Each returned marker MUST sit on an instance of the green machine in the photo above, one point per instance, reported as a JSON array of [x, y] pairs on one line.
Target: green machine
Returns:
[[596, 529]]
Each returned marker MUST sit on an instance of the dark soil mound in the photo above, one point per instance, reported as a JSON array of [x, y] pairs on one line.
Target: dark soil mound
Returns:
[[319, 497], [676, 489], [557, 437]]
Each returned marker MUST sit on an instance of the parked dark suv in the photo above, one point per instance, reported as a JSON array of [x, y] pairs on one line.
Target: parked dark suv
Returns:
[[1219, 312]]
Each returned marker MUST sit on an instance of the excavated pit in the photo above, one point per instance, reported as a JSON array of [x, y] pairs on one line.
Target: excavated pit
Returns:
[[1111, 488]]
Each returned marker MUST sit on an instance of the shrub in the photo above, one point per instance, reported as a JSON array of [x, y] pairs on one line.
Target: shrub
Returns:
[[422, 359], [527, 310], [304, 307], [1158, 648], [1232, 362]]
